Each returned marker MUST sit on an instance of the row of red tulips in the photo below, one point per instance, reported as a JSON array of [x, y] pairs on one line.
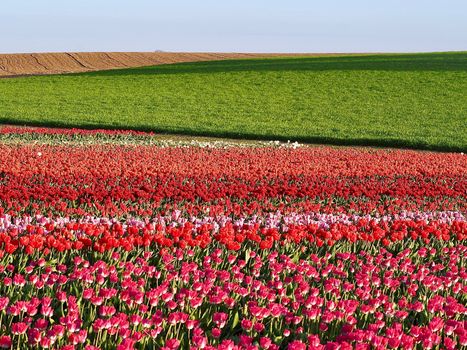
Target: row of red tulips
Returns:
[[105, 236], [145, 180], [59, 207]]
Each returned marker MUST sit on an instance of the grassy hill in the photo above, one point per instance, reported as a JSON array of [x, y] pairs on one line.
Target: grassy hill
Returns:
[[404, 100]]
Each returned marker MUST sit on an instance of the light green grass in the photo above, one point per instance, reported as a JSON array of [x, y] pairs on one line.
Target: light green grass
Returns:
[[408, 100]]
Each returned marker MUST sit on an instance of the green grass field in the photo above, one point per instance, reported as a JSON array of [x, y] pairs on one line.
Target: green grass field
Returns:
[[407, 100]]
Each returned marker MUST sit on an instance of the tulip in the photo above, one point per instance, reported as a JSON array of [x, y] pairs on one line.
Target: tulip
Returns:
[[5, 342]]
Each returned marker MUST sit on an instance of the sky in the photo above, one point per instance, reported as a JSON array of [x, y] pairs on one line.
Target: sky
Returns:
[[233, 25]]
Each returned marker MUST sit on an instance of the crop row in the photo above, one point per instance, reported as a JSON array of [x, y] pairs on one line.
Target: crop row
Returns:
[[214, 298]]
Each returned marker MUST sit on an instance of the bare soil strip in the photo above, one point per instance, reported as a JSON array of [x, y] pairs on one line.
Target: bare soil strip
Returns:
[[12, 65]]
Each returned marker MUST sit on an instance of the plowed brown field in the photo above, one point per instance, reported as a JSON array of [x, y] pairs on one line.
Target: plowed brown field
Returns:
[[73, 62]]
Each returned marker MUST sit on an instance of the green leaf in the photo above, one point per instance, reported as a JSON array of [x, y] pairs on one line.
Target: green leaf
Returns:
[[235, 321]]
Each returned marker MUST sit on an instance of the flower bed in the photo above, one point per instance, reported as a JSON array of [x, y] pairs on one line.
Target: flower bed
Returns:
[[129, 243]]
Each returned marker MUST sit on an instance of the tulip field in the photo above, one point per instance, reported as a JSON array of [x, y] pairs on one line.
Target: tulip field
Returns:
[[127, 240]]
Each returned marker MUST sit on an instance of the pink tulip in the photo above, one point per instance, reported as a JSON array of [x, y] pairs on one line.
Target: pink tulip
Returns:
[[5, 342], [220, 318], [172, 344], [246, 324], [296, 345], [19, 328]]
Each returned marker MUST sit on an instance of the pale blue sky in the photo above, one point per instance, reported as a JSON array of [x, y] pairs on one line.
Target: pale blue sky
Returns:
[[233, 26]]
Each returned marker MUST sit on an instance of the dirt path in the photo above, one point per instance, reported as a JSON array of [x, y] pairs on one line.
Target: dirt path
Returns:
[[12, 65]]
